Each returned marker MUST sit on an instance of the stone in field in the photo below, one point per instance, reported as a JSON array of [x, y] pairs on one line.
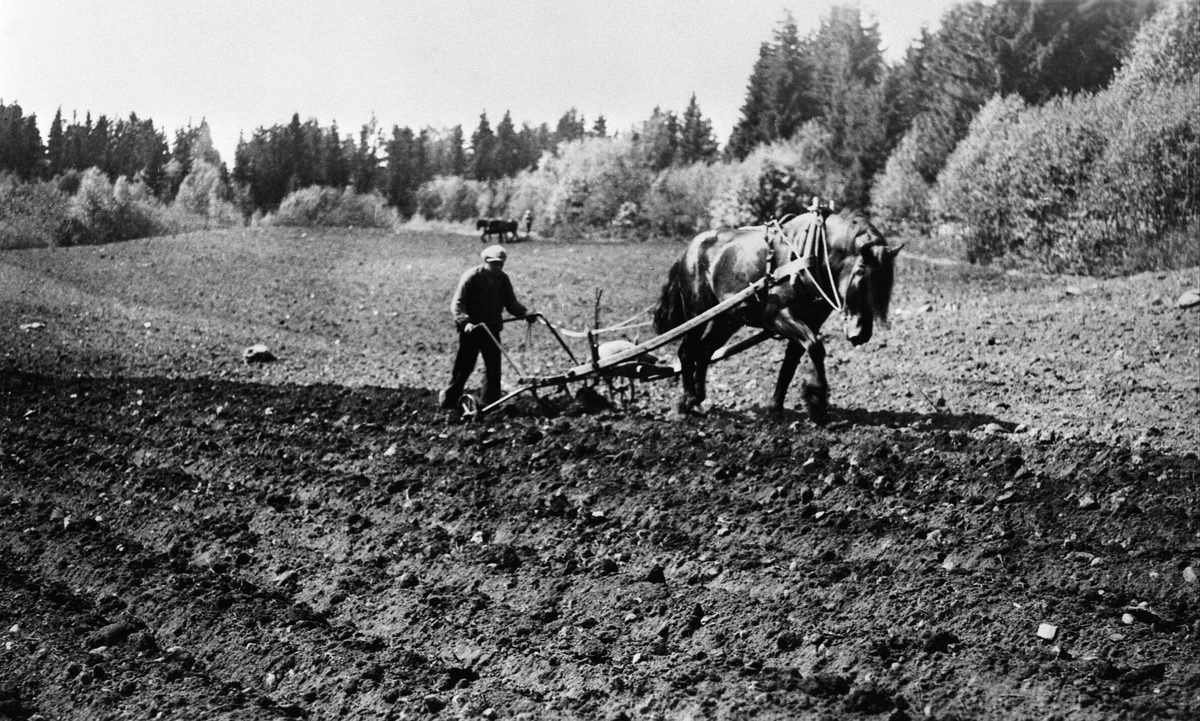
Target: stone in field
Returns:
[[110, 635], [258, 353]]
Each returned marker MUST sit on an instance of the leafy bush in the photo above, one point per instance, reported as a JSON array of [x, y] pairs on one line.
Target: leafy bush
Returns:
[[30, 213], [779, 179], [449, 197], [591, 179], [899, 195], [1141, 208], [678, 200], [531, 190], [320, 206], [69, 181], [973, 190], [204, 193], [99, 215]]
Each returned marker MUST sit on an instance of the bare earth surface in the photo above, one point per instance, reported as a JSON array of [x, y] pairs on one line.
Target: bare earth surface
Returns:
[[1001, 519]]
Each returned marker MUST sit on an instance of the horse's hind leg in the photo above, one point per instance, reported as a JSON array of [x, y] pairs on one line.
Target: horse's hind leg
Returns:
[[720, 330]]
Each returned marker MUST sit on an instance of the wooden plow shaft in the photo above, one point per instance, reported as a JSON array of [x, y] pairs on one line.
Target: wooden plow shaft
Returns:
[[585, 369]]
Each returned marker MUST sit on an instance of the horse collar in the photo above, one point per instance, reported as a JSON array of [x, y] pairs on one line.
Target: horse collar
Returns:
[[813, 253]]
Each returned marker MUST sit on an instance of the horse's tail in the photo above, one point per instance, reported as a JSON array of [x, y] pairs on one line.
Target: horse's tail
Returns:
[[672, 308]]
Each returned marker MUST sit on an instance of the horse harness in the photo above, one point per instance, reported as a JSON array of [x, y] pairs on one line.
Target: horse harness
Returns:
[[804, 254]]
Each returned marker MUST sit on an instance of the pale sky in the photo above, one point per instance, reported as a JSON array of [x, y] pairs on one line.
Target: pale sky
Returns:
[[244, 64]]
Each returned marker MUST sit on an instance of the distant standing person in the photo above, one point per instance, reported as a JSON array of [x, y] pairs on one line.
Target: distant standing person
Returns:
[[527, 221], [483, 294]]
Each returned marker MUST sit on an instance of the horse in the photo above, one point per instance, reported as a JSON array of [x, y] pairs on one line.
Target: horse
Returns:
[[853, 267], [496, 226]]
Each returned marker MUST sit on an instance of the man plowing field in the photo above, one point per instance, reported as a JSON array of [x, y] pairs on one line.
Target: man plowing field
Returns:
[[483, 294]]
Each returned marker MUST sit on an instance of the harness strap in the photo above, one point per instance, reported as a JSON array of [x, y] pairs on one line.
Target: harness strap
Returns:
[[813, 251], [816, 250]]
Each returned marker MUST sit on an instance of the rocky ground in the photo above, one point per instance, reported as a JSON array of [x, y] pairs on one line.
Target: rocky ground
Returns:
[[1001, 519]]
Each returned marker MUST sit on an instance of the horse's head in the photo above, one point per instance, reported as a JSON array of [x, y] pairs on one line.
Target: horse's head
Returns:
[[481, 224], [867, 274]]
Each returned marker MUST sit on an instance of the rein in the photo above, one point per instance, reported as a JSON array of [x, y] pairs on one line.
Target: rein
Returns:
[[624, 325]]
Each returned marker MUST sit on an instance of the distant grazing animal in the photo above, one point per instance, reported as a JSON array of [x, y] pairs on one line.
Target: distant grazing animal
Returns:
[[854, 269], [496, 226]]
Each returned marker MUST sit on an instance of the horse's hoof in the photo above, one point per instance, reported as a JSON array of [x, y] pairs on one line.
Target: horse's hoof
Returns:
[[690, 407], [816, 400]]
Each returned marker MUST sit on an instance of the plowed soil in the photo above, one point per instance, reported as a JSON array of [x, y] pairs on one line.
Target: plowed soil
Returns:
[[1000, 520]]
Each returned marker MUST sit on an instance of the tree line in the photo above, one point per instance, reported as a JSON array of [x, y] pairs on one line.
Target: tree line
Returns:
[[829, 93], [281, 159]]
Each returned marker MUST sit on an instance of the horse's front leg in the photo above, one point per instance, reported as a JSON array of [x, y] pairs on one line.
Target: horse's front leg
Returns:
[[816, 391], [802, 339]]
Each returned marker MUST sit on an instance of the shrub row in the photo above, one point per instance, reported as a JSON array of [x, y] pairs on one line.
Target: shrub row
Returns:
[[333, 207], [1103, 183], [1096, 183], [87, 209], [606, 185]]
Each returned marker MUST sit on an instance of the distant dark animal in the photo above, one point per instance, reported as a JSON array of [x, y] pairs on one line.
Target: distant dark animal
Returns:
[[851, 267], [496, 226]]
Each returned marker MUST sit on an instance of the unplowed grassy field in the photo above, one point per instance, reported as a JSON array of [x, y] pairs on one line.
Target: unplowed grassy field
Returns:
[[1001, 518]]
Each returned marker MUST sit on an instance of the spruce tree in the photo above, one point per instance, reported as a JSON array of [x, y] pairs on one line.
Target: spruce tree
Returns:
[[658, 139], [697, 144], [403, 174], [456, 158], [780, 96], [54, 146], [570, 127], [20, 142], [483, 144], [507, 152]]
